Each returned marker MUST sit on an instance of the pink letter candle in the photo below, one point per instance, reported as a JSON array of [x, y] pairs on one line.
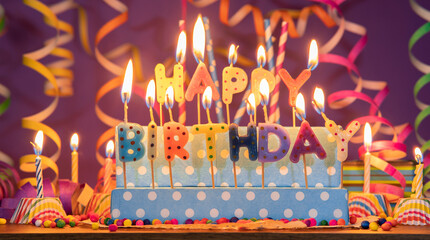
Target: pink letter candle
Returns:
[[306, 134]]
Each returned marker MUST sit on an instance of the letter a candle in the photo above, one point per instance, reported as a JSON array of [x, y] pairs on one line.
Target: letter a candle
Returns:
[[175, 136], [306, 140]]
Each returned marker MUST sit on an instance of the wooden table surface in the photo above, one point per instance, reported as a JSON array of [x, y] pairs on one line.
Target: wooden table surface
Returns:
[[14, 231]]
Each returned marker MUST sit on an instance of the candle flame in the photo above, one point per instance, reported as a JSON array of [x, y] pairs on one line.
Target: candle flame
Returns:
[[168, 101], [128, 80], [250, 104], [150, 94], [181, 48], [232, 54], [300, 107], [207, 98], [74, 142], [418, 155], [199, 40], [261, 56], [313, 55], [109, 149], [38, 143], [264, 92], [318, 100], [367, 137]]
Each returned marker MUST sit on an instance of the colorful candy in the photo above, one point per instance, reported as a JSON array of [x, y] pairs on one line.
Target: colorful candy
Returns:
[[95, 226], [386, 226], [373, 226], [127, 223], [365, 224], [61, 223], [3, 221], [113, 228]]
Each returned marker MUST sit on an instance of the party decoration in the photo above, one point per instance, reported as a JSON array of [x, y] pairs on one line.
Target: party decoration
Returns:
[[410, 211], [99, 204], [41, 208], [368, 204]]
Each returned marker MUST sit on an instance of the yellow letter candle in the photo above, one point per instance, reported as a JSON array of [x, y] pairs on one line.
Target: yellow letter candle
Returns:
[[74, 144], [259, 74]]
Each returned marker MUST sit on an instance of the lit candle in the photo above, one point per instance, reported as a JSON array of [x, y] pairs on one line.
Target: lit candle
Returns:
[[294, 85], [264, 93], [201, 78], [234, 80], [175, 136], [177, 81], [74, 144], [259, 74], [209, 129], [337, 133], [367, 156], [417, 184], [152, 127], [38, 146], [306, 140], [126, 88], [108, 167]]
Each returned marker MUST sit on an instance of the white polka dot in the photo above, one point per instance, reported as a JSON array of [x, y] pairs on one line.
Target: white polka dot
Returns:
[[283, 170], [176, 196], [130, 184], [224, 153], [238, 213], [324, 196], [189, 213], [201, 184], [141, 170], [116, 213], [127, 196], [201, 196], [165, 170], [295, 185], [271, 184], [189, 170], [224, 184], [319, 185], [337, 213], [152, 196], [118, 170], [248, 184], [130, 134], [331, 171], [263, 213], [155, 184], [215, 170], [201, 153], [308, 170], [288, 213], [258, 170], [177, 184], [140, 213], [250, 196], [190, 137], [214, 212], [246, 154], [164, 213], [275, 196], [225, 196], [346, 196], [237, 170], [313, 213], [300, 196]]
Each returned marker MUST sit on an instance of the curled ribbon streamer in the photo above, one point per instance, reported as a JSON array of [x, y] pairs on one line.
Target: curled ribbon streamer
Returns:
[[9, 179], [419, 85]]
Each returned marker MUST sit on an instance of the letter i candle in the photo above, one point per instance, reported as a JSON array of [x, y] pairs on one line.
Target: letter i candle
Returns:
[[294, 85], [175, 136], [152, 127], [306, 140], [339, 135]]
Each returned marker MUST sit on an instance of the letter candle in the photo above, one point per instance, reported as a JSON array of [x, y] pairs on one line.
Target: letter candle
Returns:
[[306, 140], [125, 97], [38, 146], [234, 80], [417, 184], [152, 127], [294, 85], [201, 78], [264, 92], [175, 136], [177, 81], [74, 144], [108, 167], [367, 156], [339, 135]]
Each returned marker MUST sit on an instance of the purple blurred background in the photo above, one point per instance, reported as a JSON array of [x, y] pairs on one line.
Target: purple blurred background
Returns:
[[153, 27]]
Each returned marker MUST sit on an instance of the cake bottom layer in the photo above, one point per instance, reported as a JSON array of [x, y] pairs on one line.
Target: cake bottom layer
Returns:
[[198, 203]]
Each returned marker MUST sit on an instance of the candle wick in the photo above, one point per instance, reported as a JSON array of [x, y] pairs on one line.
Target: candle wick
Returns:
[[170, 114], [125, 112], [209, 115]]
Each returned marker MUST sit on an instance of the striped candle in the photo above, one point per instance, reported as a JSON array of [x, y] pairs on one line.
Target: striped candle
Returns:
[[39, 177], [418, 181], [212, 68], [366, 186], [182, 118], [274, 106]]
